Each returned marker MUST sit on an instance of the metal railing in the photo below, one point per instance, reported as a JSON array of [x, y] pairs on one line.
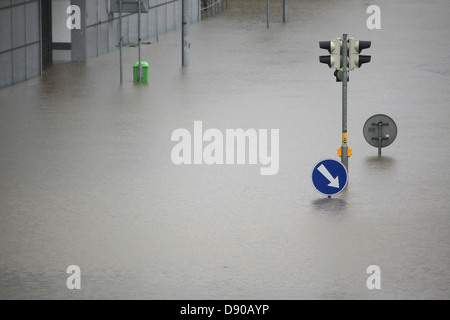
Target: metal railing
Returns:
[[212, 7]]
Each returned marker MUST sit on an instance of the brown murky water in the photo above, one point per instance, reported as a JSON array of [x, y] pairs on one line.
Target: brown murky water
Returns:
[[86, 176]]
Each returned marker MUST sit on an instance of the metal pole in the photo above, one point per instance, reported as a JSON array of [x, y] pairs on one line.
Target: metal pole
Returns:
[[344, 154], [40, 39], [380, 136], [184, 33], [139, 41], [120, 40], [268, 13], [285, 10]]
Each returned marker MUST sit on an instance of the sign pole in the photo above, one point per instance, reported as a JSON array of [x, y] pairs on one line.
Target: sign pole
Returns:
[[120, 40], [268, 13], [285, 10], [130, 6], [184, 33], [380, 137], [344, 150], [139, 41], [380, 131], [329, 177]]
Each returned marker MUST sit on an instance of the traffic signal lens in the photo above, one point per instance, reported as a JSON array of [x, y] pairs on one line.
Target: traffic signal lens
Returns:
[[364, 59], [325, 59], [328, 45], [334, 48], [364, 45]]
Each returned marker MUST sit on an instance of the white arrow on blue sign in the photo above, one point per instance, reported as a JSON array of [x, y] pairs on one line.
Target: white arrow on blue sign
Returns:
[[329, 177]]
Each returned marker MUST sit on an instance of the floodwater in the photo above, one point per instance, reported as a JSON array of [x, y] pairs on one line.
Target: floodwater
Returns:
[[87, 179]]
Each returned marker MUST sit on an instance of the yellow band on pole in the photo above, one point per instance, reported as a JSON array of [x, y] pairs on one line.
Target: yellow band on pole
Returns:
[[349, 152], [344, 138]]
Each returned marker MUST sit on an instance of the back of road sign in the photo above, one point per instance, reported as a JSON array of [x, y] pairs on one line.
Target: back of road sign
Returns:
[[380, 131], [329, 177]]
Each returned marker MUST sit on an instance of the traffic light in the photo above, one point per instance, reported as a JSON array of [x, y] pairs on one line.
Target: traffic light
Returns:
[[339, 74], [354, 49], [334, 48]]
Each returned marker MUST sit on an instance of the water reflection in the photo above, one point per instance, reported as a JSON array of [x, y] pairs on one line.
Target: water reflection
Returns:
[[333, 205], [381, 163]]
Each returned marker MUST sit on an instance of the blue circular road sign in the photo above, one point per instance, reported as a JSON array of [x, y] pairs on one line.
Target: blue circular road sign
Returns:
[[329, 177]]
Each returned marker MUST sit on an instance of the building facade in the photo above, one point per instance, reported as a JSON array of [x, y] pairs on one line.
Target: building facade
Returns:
[[36, 32]]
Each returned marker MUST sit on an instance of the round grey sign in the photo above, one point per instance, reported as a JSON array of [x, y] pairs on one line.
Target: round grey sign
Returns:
[[380, 131]]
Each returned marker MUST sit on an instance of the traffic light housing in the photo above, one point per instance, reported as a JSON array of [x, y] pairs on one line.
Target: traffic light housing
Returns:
[[335, 59], [334, 48], [339, 74], [354, 49]]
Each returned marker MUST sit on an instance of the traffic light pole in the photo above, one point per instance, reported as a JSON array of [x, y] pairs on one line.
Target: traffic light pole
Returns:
[[344, 56], [344, 150]]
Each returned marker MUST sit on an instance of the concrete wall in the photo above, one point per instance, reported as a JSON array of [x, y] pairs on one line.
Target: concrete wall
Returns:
[[20, 50], [21, 34], [61, 35], [102, 26]]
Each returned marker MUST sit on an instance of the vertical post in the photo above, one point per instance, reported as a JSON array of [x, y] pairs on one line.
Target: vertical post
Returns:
[[139, 41], [120, 39], [285, 10], [184, 33], [40, 38], [380, 136], [380, 128], [344, 152], [78, 36], [268, 13]]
